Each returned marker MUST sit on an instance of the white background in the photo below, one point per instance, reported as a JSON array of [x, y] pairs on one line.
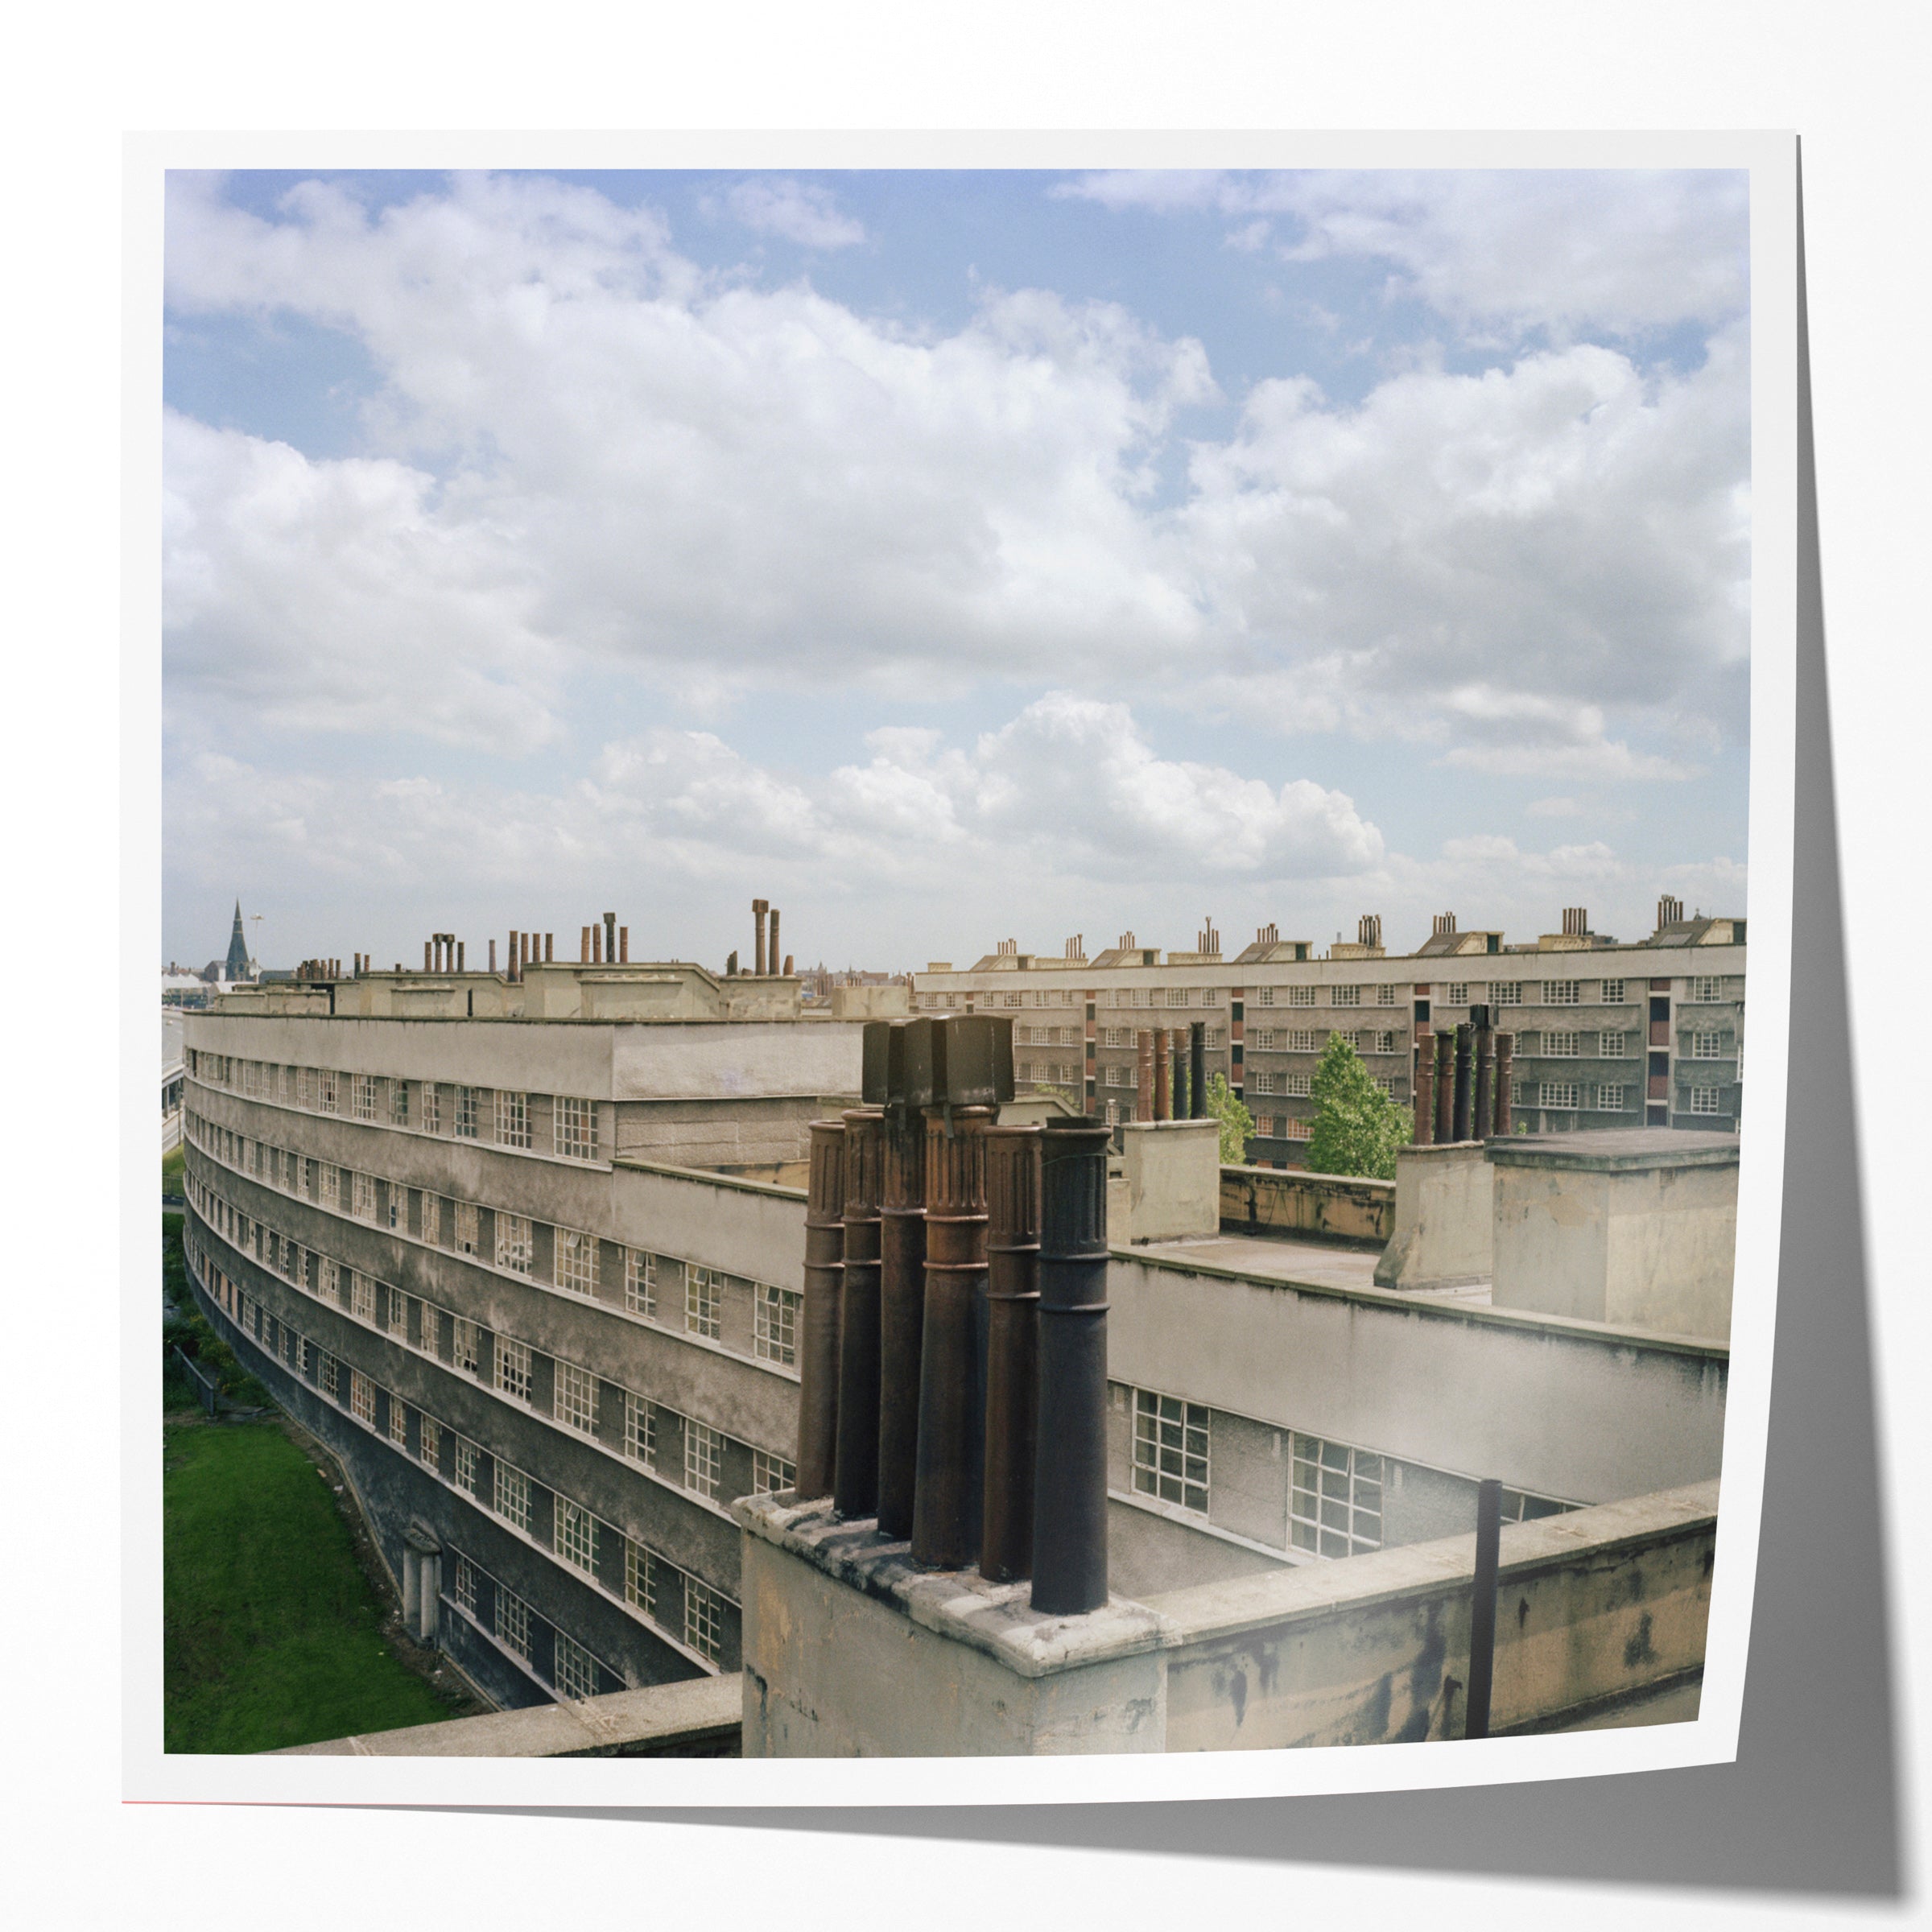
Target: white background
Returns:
[[1851, 81]]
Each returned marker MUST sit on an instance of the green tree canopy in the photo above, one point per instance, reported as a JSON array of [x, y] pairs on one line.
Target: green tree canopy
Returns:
[[1357, 1127], [1236, 1122]]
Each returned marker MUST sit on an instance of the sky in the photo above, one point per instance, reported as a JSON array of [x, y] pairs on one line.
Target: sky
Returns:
[[951, 557]]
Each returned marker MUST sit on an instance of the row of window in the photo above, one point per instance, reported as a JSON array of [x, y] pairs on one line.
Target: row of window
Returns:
[[1608, 1096], [507, 1363], [492, 1606], [381, 1101], [1335, 1490], [577, 1535], [653, 1284]]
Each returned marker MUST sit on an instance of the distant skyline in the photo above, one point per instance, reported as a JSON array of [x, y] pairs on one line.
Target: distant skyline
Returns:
[[950, 556]]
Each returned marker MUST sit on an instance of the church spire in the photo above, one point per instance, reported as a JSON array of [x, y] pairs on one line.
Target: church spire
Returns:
[[238, 949]]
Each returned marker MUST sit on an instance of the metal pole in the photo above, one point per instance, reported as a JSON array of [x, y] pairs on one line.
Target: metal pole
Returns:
[[952, 1401], [1445, 1085], [1505, 1066], [1013, 1302], [854, 1484], [1070, 1480], [1482, 1605], [1464, 1086], [818, 1342], [1197, 1070], [902, 1317]]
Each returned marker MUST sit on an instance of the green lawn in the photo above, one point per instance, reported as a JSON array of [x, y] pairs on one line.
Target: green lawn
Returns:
[[174, 1169], [272, 1636]]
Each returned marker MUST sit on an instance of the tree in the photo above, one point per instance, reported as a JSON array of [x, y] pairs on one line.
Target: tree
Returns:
[[1357, 1127], [1237, 1123]]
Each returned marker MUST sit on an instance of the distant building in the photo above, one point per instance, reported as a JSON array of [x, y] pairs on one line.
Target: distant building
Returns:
[[1645, 1034]]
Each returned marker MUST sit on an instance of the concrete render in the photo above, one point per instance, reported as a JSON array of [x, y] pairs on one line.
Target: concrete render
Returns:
[[1169, 1184], [1283, 1203], [1445, 1210], [1638, 1229], [851, 1651]]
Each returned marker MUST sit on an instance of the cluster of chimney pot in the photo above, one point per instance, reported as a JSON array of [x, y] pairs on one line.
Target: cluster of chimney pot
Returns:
[[1461, 1083], [953, 1345]]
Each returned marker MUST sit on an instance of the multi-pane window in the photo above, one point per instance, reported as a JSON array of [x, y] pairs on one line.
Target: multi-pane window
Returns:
[[1562, 1095], [1560, 1045], [429, 1441], [771, 1474], [703, 1457], [1170, 1449], [1344, 995], [1265, 1039], [1299, 1130], [512, 1497], [576, 1261], [1610, 1044], [1613, 993], [1610, 1097], [432, 1108], [1457, 992], [1707, 1100], [398, 1103], [1506, 993], [1177, 996], [575, 1130], [1706, 990], [1301, 996], [640, 1430], [399, 1422], [576, 1536], [1262, 1082], [1264, 995], [515, 1244], [465, 1585], [640, 1578], [702, 1302], [1562, 993], [1300, 1039], [512, 1624], [329, 1276], [1297, 1085], [1388, 996], [361, 1297], [1706, 1046], [576, 1671], [362, 1196], [1385, 1042], [641, 1281], [512, 1368], [331, 1376], [468, 1465], [362, 1088], [466, 1345], [1119, 1076], [776, 1337], [395, 1313], [466, 1113], [327, 1093], [1335, 1505], [513, 1120], [704, 1620], [429, 1219], [361, 1397], [575, 1401], [469, 1239]]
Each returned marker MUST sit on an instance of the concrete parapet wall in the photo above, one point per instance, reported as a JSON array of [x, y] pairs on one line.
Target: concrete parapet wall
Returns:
[[1445, 1214], [699, 1718], [1170, 1178], [1268, 1200], [1594, 1607]]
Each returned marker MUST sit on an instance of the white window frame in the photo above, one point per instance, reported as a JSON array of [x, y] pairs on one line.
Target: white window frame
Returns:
[[704, 1620], [576, 1669], [574, 1128], [1612, 1096], [1506, 993], [1559, 1096], [468, 1229], [512, 1118], [510, 1494], [574, 1535], [363, 1094], [1708, 1046], [464, 1124], [772, 1474], [510, 1371], [511, 1623], [1345, 995], [575, 1259], [466, 1345], [1707, 1100], [1613, 993], [574, 1398], [1301, 996], [703, 1457], [1171, 1450], [1707, 991], [640, 1430], [1565, 1045], [1610, 1043], [1562, 993], [704, 1302], [776, 1315], [516, 1242], [1335, 1497]]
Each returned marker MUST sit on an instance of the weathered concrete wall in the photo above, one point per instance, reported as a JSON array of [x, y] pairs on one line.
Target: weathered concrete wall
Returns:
[[1149, 1553], [851, 1653], [1559, 1408], [871, 1002], [1652, 1248], [700, 1717], [1593, 1607], [1170, 1182], [1445, 1211], [1265, 1200]]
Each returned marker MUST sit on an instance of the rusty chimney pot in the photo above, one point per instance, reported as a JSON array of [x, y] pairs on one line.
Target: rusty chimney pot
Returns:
[[855, 1489], [1012, 1297], [818, 1325]]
